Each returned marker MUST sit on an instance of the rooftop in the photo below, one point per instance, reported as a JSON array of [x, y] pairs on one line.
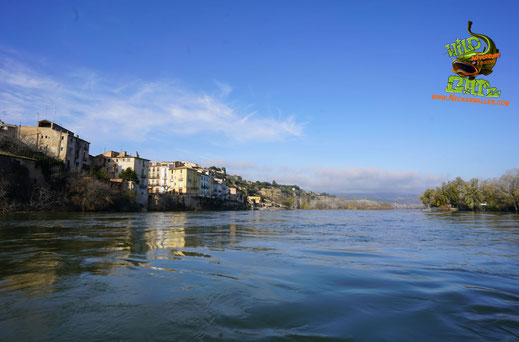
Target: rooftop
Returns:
[[123, 154]]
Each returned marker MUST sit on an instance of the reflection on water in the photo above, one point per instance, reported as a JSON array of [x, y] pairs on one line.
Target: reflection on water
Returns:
[[295, 275]]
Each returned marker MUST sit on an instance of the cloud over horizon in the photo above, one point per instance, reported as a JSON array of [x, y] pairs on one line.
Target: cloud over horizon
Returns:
[[338, 181], [108, 111]]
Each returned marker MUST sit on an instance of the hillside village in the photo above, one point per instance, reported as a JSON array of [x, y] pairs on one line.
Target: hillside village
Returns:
[[49, 166]]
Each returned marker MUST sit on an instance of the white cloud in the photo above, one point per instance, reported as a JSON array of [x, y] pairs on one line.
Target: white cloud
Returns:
[[105, 111], [340, 180], [225, 89]]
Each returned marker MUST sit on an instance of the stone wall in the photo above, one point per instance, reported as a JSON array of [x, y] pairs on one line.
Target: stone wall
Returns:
[[175, 202]]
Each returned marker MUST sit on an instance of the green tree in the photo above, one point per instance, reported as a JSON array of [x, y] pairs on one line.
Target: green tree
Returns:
[[500, 194], [288, 202], [428, 197], [442, 195], [130, 175], [493, 199], [472, 197], [98, 172], [454, 192]]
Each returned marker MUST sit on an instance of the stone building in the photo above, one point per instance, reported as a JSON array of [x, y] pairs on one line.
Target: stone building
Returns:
[[9, 162], [114, 163], [9, 130], [57, 142]]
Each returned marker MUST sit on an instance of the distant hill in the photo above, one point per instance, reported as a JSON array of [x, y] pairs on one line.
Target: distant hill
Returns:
[[387, 197], [292, 196]]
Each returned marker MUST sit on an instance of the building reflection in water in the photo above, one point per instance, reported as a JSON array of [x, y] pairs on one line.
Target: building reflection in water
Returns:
[[167, 238], [159, 231], [176, 233], [37, 282], [103, 244]]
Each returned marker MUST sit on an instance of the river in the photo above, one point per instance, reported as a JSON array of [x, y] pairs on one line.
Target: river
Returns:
[[398, 275]]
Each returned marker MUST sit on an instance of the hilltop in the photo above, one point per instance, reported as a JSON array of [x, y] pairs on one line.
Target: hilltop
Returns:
[[293, 197]]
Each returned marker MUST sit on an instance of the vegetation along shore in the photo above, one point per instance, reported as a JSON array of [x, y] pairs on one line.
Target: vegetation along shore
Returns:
[[497, 194]]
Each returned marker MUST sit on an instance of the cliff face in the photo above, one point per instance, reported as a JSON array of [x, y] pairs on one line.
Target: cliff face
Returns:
[[296, 198], [273, 194]]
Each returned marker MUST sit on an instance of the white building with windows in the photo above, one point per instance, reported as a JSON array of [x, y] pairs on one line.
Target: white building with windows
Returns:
[[204, 184], [158, 182]]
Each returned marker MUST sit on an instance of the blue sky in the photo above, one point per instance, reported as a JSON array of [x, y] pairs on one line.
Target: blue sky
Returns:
[[332, 95]]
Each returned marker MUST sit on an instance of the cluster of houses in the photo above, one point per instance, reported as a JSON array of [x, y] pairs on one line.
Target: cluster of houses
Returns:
[[175, 177]]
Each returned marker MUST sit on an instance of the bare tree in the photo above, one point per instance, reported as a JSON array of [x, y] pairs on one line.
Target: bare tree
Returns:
[[89, 194], [509, 186]]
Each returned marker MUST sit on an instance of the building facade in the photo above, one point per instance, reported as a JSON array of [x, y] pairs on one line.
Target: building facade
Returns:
[[220, 189], [57, 142], [204, 183], [158, 176], [184, 180]]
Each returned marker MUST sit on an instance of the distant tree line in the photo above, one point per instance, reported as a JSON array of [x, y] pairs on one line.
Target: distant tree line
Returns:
[[497, 194]]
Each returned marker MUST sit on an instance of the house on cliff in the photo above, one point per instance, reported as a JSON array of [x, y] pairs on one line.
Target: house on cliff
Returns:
[[114, 163], [57, 142]]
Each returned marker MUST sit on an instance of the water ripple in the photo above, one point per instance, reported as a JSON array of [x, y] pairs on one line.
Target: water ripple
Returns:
[[286, 275]]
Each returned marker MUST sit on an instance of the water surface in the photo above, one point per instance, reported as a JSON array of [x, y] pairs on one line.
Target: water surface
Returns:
[[258, 275]]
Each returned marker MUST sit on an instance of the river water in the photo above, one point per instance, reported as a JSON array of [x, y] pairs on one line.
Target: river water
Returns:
[[259, 275]]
